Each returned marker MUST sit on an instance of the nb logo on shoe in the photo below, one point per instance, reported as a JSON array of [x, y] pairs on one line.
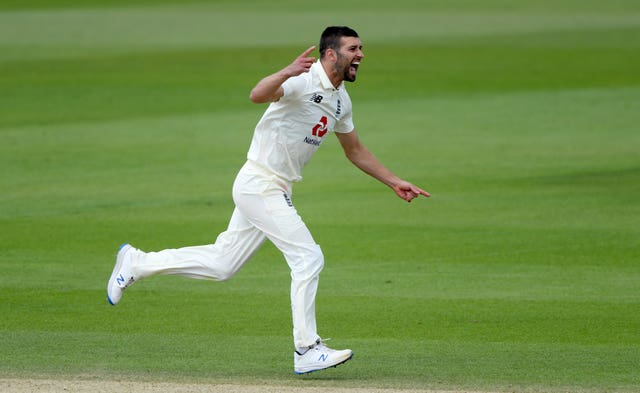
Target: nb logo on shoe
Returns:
[[120, 280], [323, 357]]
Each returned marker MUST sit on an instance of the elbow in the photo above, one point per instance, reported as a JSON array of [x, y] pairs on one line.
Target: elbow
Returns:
[[255, 97], [352, 157], [259, 97], [354, 153]]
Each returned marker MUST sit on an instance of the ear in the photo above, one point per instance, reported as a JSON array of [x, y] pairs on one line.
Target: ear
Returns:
[[331, 55]]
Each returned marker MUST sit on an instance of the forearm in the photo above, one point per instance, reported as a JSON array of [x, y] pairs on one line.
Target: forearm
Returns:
[[369, 164], [361, 157], [269, 89]]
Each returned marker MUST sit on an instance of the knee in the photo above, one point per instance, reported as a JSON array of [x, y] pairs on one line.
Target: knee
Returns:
[[318, 260], [226, 274], [310, 265], [315, 261]]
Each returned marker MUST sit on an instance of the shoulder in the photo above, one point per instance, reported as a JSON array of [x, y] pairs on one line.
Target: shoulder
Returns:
[[297, 85]]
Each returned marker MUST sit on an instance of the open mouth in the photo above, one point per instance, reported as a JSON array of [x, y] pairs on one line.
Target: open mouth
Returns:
[[354, 66]]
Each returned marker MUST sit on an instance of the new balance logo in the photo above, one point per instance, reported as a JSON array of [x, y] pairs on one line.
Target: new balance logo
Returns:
[[122, 283], [323, 357], [317, 98]]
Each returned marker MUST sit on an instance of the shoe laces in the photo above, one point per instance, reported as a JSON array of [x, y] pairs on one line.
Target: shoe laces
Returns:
[[320, 345], [130, 281]]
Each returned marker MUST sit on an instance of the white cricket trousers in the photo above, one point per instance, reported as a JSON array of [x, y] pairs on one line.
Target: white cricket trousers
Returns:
[[263, 211]]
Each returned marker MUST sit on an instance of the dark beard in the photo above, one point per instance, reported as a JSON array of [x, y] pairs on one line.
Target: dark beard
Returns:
[[346, 76]]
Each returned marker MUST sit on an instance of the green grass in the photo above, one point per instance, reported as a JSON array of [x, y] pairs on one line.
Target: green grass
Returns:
[[128, 122]]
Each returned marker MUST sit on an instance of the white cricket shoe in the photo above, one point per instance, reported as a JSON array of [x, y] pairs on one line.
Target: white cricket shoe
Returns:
[[121, 278], [319, 357]]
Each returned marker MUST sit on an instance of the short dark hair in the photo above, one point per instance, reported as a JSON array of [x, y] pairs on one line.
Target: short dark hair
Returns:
[[330, 38]]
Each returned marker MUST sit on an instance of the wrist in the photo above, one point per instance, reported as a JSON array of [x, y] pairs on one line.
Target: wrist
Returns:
[[286, 73]]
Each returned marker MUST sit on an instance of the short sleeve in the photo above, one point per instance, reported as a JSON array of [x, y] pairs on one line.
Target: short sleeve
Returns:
[[294, 87]]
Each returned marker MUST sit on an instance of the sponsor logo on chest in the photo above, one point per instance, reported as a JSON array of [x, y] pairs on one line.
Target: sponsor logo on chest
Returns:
[[320, 129]]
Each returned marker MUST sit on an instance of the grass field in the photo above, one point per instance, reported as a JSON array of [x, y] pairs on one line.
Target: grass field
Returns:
[[128, 122]]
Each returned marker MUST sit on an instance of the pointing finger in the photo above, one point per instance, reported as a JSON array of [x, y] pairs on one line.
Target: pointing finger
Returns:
[[308, 51], [420, 191]]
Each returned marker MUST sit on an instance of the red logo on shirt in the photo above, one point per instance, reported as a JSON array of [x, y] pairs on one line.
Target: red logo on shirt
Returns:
[[321, 128]]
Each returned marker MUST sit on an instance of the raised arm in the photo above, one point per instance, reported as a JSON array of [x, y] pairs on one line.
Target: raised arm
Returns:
[[361, 157], [269, 89]]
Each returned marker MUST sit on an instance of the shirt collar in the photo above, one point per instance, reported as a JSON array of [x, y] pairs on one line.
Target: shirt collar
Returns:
[[324, 79]]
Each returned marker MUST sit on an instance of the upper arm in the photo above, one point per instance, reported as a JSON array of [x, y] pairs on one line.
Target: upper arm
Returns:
[[277, 95], [257, 96], [350, 142]]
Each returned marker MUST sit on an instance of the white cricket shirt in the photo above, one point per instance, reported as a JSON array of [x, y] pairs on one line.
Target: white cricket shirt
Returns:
[[293, 128]]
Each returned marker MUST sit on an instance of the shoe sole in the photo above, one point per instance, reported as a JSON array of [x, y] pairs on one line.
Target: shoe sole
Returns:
[[324, 368], [116, 269]]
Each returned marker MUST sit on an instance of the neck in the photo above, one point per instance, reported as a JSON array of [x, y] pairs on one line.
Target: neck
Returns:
[[332, 74]]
